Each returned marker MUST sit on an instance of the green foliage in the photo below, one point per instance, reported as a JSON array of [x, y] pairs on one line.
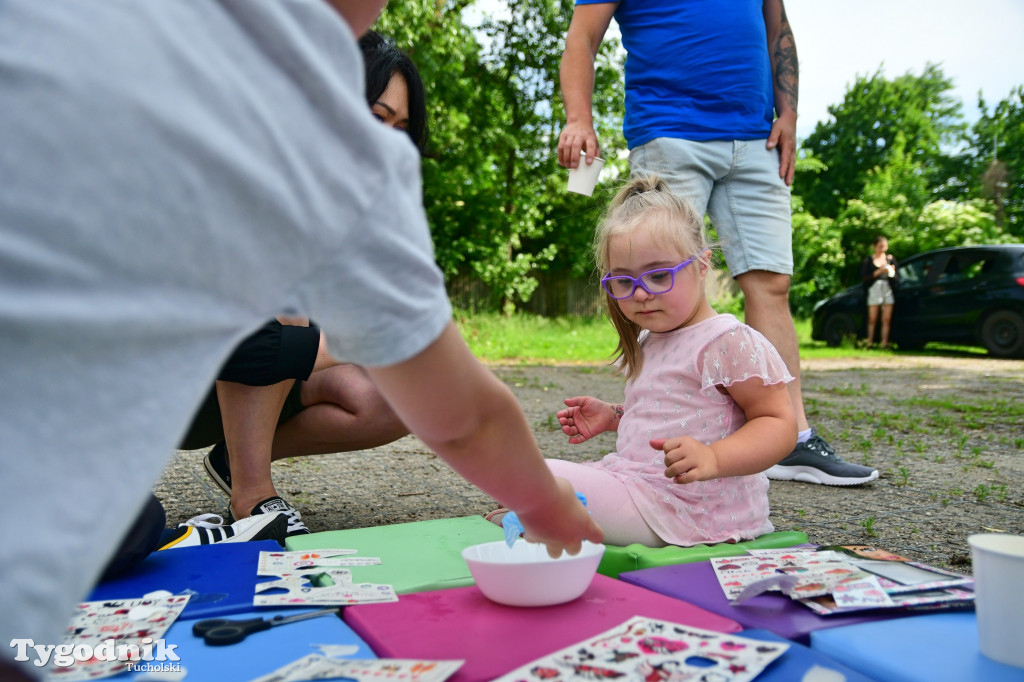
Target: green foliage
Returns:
[[896, 202], [493, 190], [997, 160], [864, 128], [950, 223], [818, 260], [895, 158]]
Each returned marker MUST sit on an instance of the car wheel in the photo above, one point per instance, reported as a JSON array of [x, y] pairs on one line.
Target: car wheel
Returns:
[[837, 328], [1002, 334]]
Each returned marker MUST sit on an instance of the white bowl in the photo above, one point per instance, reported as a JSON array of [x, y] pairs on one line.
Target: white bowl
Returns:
[[524, 574]]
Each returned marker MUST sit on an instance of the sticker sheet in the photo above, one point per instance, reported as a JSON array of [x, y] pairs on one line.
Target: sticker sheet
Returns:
[[332, 587], [929, 599], [817, 578], [863, 593], [649, 649], [106, 626], [316, 578], [279, 563], [812, 573], [316, 667]]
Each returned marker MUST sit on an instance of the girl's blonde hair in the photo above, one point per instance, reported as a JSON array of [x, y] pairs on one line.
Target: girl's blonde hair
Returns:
[[676, 226]]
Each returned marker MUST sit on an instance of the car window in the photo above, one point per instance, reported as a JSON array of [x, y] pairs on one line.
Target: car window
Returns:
[[964, 267], [915, 271]]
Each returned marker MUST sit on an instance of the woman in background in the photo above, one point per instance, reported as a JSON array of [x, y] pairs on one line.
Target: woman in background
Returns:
[[878, 272]]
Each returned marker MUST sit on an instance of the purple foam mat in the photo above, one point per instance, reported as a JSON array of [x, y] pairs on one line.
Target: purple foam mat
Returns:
[[697, 584]]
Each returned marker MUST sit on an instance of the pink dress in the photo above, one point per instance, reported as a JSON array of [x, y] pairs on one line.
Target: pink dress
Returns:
[[676, 394]]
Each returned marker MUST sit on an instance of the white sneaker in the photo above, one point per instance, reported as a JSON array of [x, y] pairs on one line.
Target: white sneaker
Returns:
[[208, 529]]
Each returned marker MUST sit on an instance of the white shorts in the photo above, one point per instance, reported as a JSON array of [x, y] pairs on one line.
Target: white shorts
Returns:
[[737, 183], [880, 293]]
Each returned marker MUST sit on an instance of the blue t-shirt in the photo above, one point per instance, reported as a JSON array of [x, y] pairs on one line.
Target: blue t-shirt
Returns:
[[695, 70]]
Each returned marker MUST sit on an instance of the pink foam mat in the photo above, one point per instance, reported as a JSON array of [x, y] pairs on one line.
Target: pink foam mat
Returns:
[[494, 639]]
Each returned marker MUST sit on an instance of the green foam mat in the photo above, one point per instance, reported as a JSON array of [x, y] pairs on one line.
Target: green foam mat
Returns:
[[415, 557], [634, 557]]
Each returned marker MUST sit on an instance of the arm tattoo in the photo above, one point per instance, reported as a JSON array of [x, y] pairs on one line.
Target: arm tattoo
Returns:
[[784, 63], [616, 411]]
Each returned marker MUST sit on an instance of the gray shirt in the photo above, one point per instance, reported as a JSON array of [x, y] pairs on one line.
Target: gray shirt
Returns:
[[172, 174]]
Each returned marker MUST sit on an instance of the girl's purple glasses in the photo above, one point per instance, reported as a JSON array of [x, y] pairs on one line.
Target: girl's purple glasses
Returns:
[[654, 282]]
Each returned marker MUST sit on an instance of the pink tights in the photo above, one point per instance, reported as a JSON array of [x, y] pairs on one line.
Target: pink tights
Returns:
[[609, 503]]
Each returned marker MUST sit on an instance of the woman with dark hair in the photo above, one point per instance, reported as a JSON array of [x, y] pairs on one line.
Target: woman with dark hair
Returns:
[[878, 272], [394, 89]]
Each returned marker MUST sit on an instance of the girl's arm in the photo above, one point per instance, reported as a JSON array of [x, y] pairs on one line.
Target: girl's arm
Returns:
[[585, 417], [767, 437]]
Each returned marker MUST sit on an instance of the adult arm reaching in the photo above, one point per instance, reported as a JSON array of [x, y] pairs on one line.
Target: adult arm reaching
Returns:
[[472, 420]]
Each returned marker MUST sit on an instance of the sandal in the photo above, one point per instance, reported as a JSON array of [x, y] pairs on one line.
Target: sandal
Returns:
[[490, 516]]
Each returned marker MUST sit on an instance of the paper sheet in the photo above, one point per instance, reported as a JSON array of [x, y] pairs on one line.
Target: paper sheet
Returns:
[[649, 649]]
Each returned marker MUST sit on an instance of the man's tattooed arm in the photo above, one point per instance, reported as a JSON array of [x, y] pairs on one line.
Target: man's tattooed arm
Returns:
[[786, 80], [782, 52]]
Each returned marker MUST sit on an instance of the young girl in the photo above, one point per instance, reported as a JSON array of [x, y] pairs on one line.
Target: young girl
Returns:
[[706, 409]]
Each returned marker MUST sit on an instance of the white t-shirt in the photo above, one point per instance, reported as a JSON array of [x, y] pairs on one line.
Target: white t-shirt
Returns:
[[172, 174]]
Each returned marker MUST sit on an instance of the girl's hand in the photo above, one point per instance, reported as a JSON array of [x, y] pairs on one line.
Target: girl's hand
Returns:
[[687, 460], [585, 417]]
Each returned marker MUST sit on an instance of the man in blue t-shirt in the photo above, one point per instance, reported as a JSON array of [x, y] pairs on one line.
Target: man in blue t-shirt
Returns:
[[711, 99]]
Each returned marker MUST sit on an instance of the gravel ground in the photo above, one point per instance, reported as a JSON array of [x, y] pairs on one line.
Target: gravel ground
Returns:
[[946, 433]]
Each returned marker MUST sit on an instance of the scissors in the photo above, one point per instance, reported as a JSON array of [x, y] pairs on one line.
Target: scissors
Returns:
[[221, 631]]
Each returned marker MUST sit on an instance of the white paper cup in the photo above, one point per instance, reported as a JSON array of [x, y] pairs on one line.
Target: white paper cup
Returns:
[[998, 561], [583, 178]]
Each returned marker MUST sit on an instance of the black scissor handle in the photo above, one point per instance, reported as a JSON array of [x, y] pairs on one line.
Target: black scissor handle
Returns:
[[221, 631], [202, 627]]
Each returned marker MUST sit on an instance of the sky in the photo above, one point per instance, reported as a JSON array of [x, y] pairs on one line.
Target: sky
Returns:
[[979, 44]]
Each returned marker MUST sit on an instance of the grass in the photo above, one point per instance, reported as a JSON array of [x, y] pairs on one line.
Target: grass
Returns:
[[529, 339]]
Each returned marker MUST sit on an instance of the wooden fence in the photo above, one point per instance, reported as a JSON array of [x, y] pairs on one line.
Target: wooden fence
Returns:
[[557, 295]]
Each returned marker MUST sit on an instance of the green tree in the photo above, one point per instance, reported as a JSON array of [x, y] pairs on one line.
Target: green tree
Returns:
[[997, 160], [958, 223], [493, 191], [891, 202], [818, 260], [863, 130]]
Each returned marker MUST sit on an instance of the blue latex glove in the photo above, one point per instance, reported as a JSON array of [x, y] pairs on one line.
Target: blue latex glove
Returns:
[[513, 529]]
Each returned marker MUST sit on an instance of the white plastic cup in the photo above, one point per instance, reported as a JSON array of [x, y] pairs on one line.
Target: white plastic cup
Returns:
[[998, 561], [583, 178]]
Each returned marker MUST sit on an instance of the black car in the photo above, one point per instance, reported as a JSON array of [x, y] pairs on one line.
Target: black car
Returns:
[[970, 295]]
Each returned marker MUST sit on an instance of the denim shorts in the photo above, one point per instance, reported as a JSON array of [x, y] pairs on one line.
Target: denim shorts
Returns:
[[737, 184]]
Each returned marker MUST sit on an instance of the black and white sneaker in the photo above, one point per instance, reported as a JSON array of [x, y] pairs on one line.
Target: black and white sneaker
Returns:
[[275, 505], [209, 529], [814, 461], [216, 465]]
